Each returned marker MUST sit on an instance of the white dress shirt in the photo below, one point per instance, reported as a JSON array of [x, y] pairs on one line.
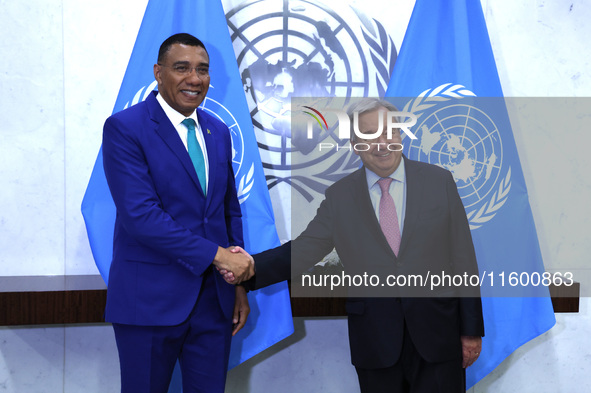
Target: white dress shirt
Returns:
[[176, 119]]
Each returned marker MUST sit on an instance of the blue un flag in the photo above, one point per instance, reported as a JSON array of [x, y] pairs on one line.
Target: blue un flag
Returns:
[[205, 19], [446, 58]]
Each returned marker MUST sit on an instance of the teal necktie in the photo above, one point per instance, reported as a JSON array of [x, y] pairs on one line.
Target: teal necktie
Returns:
[[195, 153]]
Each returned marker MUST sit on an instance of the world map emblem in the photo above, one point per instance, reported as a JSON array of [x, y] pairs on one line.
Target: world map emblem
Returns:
[[456, 133], [301, 48]]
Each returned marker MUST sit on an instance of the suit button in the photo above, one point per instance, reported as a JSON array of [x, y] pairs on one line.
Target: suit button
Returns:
[[205, 220]]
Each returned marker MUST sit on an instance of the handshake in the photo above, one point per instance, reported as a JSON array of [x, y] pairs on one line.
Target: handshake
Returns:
[[235, 264]]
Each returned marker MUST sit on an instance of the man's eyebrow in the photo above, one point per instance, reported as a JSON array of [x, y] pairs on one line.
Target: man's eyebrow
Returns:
[[185, 62]]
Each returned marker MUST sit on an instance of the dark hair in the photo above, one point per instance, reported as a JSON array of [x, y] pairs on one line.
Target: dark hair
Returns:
[[180, 38]]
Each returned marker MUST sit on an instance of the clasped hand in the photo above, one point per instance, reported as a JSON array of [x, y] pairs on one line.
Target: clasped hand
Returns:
[[235, 264]]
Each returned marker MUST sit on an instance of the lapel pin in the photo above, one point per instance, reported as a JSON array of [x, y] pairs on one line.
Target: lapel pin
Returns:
[[209, 132]]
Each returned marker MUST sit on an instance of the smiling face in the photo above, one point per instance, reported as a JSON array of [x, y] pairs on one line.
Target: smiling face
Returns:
[[184, 92], [378, 158]]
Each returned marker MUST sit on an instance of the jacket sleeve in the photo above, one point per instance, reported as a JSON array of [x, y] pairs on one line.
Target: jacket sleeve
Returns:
[[463, 258], [232, 205], [278, 264]]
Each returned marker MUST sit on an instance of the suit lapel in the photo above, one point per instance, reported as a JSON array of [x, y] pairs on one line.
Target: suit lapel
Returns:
[[414, 193], [170, 136], [210, 144]]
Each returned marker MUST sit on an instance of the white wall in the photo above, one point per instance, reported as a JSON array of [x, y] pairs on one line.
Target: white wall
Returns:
[[63, 62]]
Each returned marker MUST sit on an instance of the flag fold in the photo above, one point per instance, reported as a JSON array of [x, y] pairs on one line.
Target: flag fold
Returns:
[[446, 58]]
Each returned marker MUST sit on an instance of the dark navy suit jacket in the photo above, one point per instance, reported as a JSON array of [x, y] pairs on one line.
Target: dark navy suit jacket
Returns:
[[167, 231], [436, 237]]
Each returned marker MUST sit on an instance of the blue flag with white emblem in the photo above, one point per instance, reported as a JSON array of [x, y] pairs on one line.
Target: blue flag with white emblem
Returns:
[[446, 55], [270, 319]]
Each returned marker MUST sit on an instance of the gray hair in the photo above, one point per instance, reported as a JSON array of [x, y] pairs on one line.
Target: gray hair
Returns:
[[364, 105]]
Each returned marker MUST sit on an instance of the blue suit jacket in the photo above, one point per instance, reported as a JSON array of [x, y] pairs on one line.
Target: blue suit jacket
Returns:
[[167, 231]]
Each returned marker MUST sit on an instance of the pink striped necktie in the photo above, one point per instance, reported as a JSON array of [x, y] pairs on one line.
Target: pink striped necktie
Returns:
[[388, 216]]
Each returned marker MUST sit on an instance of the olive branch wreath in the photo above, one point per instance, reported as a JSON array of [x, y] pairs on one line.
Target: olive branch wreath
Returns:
[[383, 54]]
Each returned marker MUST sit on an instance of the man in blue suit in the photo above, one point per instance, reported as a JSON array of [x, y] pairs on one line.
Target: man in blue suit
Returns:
[[169, 170]]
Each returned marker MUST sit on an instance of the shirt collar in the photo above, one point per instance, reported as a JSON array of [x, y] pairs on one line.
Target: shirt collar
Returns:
[[398, 175], [175, 117]]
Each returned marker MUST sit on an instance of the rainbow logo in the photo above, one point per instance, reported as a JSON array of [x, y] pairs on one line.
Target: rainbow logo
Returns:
[[316, 117]]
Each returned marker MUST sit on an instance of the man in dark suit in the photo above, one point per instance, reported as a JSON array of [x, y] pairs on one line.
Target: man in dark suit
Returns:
[[169, 170], [394, 217]]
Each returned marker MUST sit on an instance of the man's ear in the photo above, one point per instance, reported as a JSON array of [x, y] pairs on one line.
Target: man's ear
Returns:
[[157, 70], [352, 141]]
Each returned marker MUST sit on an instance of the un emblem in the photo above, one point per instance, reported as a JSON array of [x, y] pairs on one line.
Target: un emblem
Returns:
[[244, 178], [458, 135], [301, 48]]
